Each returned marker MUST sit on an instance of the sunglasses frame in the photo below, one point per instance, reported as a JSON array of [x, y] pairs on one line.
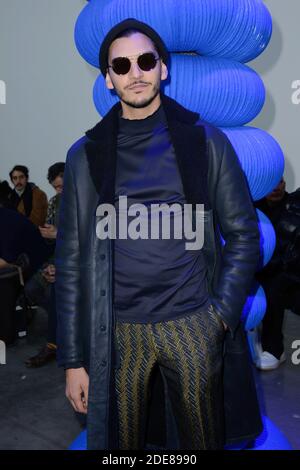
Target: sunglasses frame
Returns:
[[136, 60]]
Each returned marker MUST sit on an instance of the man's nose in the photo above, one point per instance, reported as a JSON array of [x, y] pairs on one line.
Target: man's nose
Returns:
[[135, 70]]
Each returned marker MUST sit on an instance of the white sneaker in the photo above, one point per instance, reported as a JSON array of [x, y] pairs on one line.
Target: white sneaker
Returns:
[[266, 361]]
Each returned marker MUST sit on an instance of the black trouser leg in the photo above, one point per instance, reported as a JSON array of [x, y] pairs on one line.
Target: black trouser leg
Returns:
[[272, 338], [9, 291]]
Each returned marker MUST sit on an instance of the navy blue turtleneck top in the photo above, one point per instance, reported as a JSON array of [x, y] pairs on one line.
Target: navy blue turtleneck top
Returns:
[[154, 279]]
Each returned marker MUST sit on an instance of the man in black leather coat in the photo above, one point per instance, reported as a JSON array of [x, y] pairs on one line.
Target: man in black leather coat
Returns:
[[127, 308], [280, 278]]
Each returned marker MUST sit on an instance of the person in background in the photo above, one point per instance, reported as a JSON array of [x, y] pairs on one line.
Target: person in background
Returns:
[[280, 278], [5, 192], [55, 178], [26, 197], [47, 275], [19, 238]]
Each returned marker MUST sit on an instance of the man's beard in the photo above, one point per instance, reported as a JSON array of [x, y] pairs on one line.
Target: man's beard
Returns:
[[141, 104]]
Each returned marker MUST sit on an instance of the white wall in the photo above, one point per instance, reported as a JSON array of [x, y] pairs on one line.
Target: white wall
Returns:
[[49, 86], [279, 67]]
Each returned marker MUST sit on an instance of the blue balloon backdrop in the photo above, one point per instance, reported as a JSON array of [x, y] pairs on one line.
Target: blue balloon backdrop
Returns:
[[254, 308], [267, 238], [260, 156], [234, 29]]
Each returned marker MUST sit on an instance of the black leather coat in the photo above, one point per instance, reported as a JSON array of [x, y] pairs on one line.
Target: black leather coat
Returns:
[[211, 174]]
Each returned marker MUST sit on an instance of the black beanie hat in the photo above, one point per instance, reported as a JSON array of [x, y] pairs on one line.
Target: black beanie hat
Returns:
[[130, 23]]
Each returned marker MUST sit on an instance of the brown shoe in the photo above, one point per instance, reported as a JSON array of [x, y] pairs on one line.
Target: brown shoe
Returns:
[[43, 357]]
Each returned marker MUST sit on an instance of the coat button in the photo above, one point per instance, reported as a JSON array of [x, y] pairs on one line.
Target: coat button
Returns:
[[102, 256], [103, 328], [103, 363], [103, 292]]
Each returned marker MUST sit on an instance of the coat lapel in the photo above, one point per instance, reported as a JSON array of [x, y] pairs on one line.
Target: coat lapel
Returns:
[[189, 143], [101, 151]]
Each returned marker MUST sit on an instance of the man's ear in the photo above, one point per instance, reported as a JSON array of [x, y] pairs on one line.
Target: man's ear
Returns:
[[108, 81], [164, 71]]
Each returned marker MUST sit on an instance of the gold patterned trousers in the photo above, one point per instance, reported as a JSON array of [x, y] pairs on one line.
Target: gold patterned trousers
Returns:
[[189, 353]]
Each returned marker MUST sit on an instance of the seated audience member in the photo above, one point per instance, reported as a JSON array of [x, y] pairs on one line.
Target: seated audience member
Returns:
[[5, 194], [26, 197], [49, 231], [280, 278], [20, 244]]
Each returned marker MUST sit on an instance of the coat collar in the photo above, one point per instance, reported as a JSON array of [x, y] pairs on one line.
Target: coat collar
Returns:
[[189, 143]]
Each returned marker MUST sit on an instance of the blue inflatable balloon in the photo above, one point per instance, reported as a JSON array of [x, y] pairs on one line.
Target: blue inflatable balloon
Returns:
[[234, 29], [260, 156], [254, 308], [267, 238]]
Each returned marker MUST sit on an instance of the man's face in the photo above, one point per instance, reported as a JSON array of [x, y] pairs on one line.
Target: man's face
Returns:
[[57, 184], [19, 180], [136, 88], [278, 192]]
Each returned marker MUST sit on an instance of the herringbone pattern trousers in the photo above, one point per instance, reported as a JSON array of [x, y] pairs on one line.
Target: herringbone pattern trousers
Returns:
[[189, 353]]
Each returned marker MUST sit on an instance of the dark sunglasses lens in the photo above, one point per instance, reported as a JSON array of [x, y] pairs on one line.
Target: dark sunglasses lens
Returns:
[[121, 65], [147, 61]]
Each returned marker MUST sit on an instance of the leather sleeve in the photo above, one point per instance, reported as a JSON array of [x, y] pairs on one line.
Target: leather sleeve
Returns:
[[67, 262], [236, 219]]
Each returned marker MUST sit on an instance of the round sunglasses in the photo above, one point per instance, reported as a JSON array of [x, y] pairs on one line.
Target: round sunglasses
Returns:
[[122, 65]]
